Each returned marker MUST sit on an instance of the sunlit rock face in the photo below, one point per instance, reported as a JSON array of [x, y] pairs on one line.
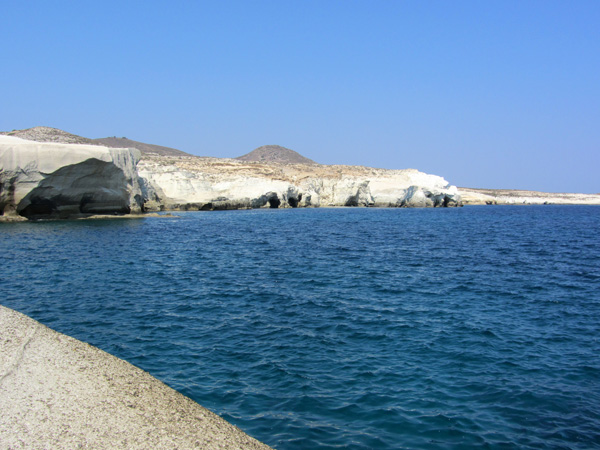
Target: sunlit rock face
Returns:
[[194, 183], [55, 180]]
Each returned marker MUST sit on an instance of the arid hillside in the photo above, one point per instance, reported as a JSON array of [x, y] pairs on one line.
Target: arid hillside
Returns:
[[48, 134], [275, 154], [123, 142]]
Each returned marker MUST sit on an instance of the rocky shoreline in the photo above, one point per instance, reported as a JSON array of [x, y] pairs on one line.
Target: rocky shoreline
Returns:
[[204, 183], [472, 196], [61, 393], [55, 180], [46, 173]]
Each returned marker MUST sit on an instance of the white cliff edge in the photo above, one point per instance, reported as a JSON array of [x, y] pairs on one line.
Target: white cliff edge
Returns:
[[215, 183], [55, 180]]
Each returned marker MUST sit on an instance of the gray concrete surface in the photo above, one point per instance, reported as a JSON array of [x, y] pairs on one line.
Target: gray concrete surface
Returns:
[[59, 393]]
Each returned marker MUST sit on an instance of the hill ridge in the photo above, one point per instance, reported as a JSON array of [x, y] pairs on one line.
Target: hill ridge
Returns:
[[49, 134], [143, 147], [275, 154]]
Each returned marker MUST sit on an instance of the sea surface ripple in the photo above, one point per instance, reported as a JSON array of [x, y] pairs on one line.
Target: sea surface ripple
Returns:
[[341, 328]]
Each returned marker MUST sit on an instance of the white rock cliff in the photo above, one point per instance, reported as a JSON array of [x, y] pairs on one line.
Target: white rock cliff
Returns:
[[55, 180], [216, 183], [58, 180]]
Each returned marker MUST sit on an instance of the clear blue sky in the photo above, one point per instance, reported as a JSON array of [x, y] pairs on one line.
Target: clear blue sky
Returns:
[[501, 94]]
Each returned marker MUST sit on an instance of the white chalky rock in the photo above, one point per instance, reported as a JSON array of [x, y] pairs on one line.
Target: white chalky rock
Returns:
[[54, 180]]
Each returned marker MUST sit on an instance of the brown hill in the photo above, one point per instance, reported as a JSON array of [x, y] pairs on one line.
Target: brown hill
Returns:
[[276, 154], [48, 134], [123, 142]]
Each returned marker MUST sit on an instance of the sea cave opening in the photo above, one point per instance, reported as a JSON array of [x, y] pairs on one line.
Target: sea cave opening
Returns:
[[274, 202]]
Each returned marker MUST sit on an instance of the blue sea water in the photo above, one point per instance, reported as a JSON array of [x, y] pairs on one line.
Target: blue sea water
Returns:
[[341, 328]]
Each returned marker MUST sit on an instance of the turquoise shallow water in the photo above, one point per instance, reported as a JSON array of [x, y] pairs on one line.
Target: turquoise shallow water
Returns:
[[341, 328]]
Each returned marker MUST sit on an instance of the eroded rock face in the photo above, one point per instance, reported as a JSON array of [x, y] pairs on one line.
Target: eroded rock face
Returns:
[[55, 180], [214, 183]]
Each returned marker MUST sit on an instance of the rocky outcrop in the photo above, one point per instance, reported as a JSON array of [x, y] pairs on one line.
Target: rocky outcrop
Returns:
[[215, 183], [55, 180]]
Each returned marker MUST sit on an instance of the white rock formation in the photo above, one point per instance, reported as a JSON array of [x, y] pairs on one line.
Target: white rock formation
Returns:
[[56, 180], [520, 197], [214, 183]]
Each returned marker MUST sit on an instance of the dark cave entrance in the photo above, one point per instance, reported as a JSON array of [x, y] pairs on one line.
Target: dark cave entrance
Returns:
[[274, 202]]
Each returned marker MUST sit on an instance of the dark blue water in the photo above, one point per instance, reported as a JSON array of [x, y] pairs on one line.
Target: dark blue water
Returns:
[[341, 328]]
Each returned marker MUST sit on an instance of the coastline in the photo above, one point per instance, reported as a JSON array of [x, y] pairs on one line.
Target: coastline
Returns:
[[58, 392], [472, 196], [12, 218]]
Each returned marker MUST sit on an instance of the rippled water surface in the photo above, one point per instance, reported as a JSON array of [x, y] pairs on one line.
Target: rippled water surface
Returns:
[[341, 328]]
